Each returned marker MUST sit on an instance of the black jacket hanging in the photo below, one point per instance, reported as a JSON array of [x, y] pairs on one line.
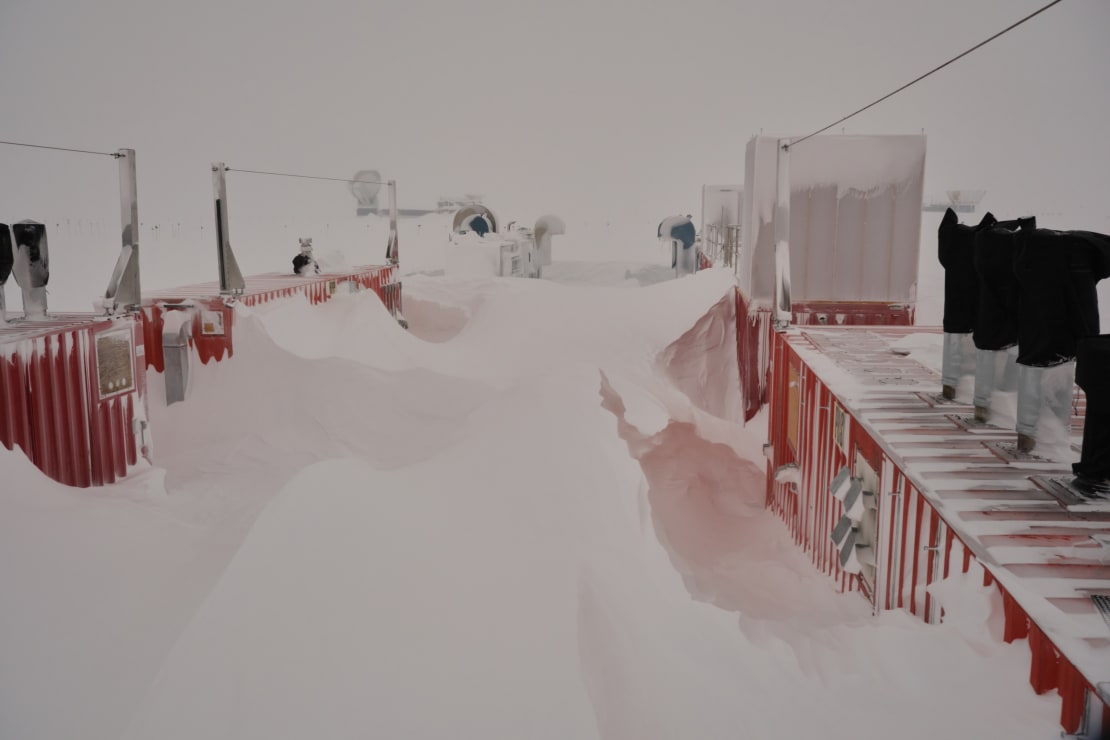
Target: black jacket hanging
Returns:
[[1058, 272], [956, 251], [995, 247]]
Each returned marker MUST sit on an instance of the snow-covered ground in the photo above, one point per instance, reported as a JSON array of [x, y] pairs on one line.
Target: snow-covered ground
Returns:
[[531, 516]]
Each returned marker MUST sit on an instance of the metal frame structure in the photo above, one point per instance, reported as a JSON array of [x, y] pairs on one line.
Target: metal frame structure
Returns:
[[231, 278], [124, 287]]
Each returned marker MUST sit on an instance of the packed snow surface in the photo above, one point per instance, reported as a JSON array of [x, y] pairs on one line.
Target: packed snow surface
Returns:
[[531, 516]]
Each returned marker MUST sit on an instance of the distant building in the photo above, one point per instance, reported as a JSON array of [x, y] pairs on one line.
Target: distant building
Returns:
[[960, 201], [454, 203]]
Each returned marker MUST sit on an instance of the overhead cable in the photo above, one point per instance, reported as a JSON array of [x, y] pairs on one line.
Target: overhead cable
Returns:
[[919, 79], [305, 177], [114, 155]]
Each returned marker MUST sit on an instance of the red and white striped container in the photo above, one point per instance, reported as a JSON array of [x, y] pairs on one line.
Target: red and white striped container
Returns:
[[73, 395], [949, 496], [73, 387], [753, 334]]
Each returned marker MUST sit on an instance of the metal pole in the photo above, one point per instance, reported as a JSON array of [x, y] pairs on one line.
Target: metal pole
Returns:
[[704, 235], [392, 254], [783, 313], [124, 288], [231, 279]]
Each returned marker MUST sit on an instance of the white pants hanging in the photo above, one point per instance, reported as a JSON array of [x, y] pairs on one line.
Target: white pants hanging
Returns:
[[989, 377], [1047, 387]]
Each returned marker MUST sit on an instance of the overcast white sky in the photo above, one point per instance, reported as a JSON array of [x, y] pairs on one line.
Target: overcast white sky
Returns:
[[591, 109]]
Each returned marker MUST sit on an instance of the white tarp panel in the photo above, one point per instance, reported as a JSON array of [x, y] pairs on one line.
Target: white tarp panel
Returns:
[[855, 218]]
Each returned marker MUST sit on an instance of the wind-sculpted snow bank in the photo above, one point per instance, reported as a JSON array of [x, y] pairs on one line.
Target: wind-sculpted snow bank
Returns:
[[350, 327], [702, 362], [799, 639], [707, 506], [434, 322], [277, 408]]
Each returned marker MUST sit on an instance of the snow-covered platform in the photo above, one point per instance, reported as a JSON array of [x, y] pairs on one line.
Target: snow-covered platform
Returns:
[[211, 335], [896, 489], [273, 285]]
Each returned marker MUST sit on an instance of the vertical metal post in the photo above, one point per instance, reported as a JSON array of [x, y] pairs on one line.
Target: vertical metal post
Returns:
[[705, 245], [231, 279], [392, 253], [124, 289], [783, 313], [935, 567], [895, 566], [1090, 725], [393, 256]]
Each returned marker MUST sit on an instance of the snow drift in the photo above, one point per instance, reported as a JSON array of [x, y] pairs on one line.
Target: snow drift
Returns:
[[353, 532]]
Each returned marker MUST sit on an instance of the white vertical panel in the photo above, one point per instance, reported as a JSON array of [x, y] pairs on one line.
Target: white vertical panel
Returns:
[[875, 183]]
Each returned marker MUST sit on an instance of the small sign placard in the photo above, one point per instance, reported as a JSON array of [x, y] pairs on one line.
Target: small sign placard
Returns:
[[212, 323], [840, 427], [114, 370]]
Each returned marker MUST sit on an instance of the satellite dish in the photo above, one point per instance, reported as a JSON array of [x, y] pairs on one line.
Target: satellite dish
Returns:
[[365, 186]]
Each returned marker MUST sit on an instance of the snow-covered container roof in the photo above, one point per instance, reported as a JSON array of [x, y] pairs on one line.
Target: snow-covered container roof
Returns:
[[1048, 548], [855, 217]]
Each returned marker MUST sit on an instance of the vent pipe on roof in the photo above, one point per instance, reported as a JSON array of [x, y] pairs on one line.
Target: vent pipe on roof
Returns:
[[546, 227], [680, 233], [31, 266], [6, 259]]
